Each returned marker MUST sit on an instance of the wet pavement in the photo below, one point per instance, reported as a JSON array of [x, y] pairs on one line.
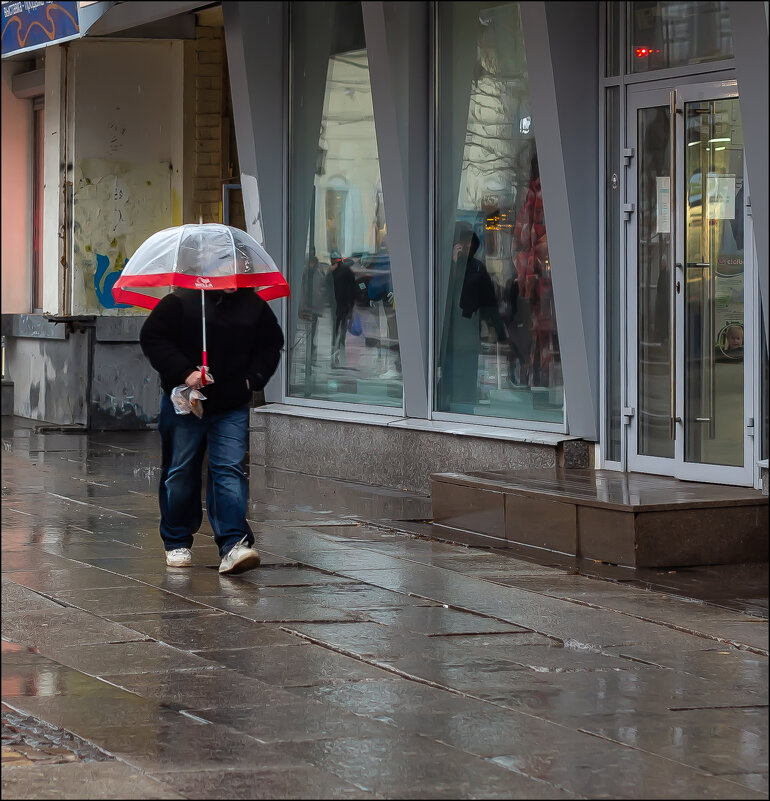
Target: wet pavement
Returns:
[[358, 661]]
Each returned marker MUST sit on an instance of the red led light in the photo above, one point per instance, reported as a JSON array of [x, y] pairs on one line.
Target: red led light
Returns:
[[645, 51]]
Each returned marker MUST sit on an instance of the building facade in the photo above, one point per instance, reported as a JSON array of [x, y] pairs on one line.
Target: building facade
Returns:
[[517, 234]]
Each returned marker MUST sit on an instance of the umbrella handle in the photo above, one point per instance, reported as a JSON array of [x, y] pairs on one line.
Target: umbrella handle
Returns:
[[203, 324]]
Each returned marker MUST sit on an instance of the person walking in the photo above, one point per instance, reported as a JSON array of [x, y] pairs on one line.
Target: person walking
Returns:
[[244, 342]]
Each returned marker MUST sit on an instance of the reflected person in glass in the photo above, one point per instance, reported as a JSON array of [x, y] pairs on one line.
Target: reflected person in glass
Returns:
[[380, 291], [470, 296], [313, 302], [534, 279], [343, 285]]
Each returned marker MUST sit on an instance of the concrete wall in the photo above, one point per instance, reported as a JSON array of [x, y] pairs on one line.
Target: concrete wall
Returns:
[[125, 391], [49, 370], [16, 176], [127, 160]]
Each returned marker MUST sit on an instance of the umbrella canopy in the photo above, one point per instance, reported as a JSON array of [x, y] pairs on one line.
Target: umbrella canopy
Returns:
[[203, 256]]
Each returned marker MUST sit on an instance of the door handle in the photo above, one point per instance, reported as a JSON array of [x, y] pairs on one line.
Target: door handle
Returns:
[[675, 286]]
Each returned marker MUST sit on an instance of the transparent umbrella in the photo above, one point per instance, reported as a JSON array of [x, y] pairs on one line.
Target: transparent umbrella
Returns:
[[203, 256]]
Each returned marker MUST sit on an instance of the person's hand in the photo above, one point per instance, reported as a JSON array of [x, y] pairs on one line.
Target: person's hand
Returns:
[[456, 251], [194, 380]]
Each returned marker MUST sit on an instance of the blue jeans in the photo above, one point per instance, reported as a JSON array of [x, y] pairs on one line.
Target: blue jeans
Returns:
[[184, 439]]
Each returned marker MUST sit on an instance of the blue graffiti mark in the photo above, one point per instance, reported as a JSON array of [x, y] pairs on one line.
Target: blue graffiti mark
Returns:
[[104, 283]]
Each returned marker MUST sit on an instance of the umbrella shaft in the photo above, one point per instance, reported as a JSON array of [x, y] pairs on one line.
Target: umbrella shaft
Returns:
[[203, 314], [205, 360]]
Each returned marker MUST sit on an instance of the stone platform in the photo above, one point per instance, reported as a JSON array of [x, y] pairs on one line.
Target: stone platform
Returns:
[[627, 519]]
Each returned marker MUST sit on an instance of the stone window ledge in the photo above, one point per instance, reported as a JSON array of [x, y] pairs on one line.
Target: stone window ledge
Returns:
[[416, 424]]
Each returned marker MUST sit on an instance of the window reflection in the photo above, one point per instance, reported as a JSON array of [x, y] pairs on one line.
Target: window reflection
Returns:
[[675, 34], [498, 351], [344, 337]]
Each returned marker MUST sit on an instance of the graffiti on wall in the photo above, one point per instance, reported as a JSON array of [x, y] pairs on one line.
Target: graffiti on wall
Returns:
[[104, 280], [117, 205]]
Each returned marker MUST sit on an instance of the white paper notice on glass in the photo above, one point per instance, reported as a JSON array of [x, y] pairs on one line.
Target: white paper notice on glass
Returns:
[[663, 187], [721, 196]]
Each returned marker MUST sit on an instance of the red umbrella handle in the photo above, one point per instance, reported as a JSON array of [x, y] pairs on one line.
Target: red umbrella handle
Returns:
[[203, 323]]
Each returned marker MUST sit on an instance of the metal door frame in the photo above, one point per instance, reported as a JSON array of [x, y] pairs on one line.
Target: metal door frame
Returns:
[[674, 95]]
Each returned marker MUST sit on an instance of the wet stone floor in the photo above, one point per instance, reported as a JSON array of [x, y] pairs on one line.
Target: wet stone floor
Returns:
[[358, 661]]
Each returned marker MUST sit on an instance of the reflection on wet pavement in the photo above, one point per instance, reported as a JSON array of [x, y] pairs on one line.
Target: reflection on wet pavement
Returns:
[[357, 661]]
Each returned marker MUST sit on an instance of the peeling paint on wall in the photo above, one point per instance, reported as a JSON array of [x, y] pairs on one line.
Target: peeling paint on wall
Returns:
[[117, 205]]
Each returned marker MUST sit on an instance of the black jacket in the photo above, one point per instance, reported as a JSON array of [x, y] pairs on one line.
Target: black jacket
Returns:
[[243, 341]]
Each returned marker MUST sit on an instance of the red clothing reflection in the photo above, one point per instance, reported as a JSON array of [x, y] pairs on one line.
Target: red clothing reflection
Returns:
[[534, 281]]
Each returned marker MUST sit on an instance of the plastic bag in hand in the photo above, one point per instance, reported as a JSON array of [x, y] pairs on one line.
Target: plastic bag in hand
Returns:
[[186, 400]]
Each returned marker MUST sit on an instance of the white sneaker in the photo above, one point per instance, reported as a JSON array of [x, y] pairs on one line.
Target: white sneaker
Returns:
[[179, 557], [239, 558], [390, 374]]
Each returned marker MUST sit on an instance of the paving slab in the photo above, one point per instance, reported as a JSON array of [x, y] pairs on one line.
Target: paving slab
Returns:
[[721, 664], [627, 773], [294, 666], [202, 689], [87, 715], [101, 659], [200, 631], [62, 627], [79, 577], [701, 741], [23, 599], [187, 744], [383, 697], [436, 621], [409, 766], [296, 721], [94, 780], [296, 782], [552, 616], [27, 559], [566, 697], [138, 598], [45, 678], [367, 638], [254, 605], [293, 576]]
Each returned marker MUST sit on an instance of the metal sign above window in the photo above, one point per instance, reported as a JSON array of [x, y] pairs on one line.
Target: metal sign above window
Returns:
[[29, 26]]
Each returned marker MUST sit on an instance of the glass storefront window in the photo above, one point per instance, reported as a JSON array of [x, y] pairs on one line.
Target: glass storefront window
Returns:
[[653, 314], [497, 347], [343, 338], [612, 40], [676, 34], [612, 273]]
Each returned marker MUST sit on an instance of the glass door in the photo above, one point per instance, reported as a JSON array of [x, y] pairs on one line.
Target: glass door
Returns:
[[690, 301]]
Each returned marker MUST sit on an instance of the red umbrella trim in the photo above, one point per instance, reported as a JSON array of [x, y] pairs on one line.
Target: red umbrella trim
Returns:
[[269, 285]]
